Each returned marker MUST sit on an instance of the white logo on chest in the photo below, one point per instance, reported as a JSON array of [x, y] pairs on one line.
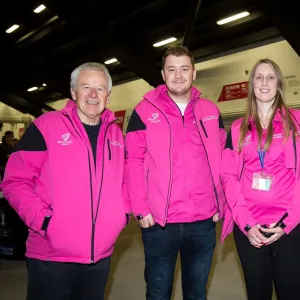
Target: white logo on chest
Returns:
[[278, 136], [154, 118], [247, 141], [209, 118], [65, 140], [116, 143]]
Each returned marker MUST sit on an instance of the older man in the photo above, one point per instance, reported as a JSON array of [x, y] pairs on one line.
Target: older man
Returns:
[[65, 181]]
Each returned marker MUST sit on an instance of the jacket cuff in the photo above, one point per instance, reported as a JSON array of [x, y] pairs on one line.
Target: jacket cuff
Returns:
[[289, 226], [251, 222], [141, 214]]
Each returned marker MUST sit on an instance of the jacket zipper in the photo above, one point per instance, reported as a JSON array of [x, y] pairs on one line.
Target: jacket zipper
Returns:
[[92, 208], [215, 189], [91, 190], [182, 115], [170, 178], [203, 128], [295, 144], [242, 171], [98, 202], [295, 153], [109, 150]]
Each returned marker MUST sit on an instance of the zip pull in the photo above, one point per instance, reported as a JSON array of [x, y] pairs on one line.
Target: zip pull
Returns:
[[183, 121]]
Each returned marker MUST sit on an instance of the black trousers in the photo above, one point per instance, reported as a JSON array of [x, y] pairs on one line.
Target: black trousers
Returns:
[[278, 263], [49, 280]]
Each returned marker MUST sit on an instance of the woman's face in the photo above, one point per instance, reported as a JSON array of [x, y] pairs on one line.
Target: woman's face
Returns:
[[265, 83]]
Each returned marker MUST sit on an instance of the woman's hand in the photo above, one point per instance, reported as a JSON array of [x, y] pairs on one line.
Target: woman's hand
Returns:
[[278, 233], [255, 237]]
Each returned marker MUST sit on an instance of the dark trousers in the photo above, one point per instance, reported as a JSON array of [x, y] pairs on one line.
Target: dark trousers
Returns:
[[49, 280], [278, 263], [195, 242]]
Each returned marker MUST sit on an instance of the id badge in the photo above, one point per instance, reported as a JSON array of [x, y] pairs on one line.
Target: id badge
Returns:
[[262, 182]]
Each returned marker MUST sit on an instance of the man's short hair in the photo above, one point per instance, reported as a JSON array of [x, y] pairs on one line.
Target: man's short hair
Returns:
[[90, 66], [178, 50]]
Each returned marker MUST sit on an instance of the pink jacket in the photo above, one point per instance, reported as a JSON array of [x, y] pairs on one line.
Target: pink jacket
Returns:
[[149, 147], [246, 206], [52, 173]]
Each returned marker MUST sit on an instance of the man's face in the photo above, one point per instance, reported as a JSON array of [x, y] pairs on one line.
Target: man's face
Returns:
[[91, 95], [178, 74], [9, 140]]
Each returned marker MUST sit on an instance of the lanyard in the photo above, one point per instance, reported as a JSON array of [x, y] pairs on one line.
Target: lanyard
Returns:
[[261, 155]]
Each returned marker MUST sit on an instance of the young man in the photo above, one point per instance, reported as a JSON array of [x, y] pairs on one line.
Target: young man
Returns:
[[174, 143], [65, 181]]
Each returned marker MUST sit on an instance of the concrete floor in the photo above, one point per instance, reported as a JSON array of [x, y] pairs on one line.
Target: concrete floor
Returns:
[[126, 277]]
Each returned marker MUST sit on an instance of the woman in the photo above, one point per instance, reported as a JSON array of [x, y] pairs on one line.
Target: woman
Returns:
[[260, 177]]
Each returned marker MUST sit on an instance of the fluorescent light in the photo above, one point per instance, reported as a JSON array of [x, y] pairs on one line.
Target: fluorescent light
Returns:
[[39, 9], [111, 61], [44, 84], [233, 18], [164, 42], [12, 28], [34, 88]]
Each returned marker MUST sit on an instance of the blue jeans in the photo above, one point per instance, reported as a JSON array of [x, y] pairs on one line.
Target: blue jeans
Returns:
[[195, 242]]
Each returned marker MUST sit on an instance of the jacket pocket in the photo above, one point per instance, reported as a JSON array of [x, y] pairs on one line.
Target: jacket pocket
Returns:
[[127, 218], [109, 150], [203, 128], [45, 224], [150, 228], [51, 233], [48, 229]]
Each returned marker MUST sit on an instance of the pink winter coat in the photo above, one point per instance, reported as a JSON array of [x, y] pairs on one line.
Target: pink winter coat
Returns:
[[246, 206], [52, 173], [149, 153]]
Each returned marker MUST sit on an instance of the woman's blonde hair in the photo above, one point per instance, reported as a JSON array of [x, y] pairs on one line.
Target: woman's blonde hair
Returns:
[[252, 109]]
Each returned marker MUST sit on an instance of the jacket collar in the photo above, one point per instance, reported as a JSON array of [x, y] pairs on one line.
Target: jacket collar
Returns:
[[71, 110], [160, 94], [277, 117]]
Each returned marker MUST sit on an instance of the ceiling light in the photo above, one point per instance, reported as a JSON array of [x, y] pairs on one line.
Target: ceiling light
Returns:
[[12, 28], [164, 42], [44, 84], [39, 9], [111, 61], [233, 18], [34, 88]]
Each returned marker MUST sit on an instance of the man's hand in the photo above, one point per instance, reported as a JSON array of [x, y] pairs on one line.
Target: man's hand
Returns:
[[278, 233], [255, 237], [216, 217], [147, 221]]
